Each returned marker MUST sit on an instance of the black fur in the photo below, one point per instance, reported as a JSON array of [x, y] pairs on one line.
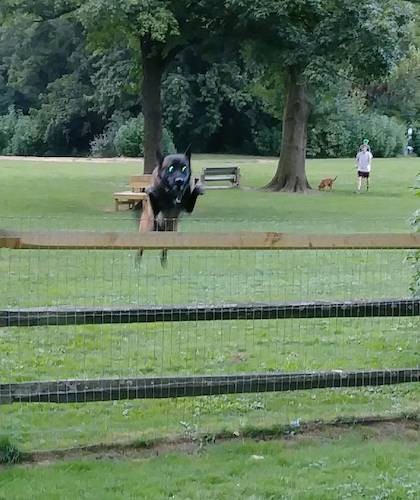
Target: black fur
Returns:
[[171, 193]]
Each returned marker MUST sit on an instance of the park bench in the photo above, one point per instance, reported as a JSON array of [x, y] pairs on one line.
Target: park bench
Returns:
[[136, 193], [218, 174]]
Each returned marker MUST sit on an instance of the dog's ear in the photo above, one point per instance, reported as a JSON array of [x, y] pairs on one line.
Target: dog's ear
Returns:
[[159, 158], [188, 153]]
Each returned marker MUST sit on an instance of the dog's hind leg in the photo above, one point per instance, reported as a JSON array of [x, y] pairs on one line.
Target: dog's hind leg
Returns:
[[164, 258], [139, 256]]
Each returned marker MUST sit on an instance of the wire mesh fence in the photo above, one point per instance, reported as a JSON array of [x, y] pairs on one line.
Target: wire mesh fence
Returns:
[[245, 332]]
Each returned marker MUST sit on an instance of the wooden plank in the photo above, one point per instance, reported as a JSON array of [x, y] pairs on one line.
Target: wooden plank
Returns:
[[218, 177], [130, 195], [176, 313], [221, 170], [141, 178], [204, 241], [139, 183], [82, 391]]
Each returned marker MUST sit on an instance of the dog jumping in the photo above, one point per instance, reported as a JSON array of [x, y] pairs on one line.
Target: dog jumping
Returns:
[[172, 192], [327, 183]]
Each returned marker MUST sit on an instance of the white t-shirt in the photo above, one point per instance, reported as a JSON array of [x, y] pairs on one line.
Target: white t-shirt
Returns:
[[363, 160]]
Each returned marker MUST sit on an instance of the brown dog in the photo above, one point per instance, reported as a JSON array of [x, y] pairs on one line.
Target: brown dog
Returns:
[[327, 183]]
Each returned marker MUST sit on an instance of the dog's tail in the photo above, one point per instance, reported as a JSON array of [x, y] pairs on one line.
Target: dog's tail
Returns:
[[335, 178]]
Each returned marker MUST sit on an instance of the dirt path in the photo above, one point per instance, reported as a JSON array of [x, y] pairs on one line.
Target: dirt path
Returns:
[[372, 428], [68, 159]]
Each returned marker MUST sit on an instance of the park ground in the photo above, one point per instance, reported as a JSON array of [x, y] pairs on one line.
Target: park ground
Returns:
[[356, 462], [77, 191], [375, 461]]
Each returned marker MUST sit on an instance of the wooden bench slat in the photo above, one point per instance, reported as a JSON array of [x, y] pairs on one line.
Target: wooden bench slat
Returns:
[[223, 170], [219, 177], [214, 174]]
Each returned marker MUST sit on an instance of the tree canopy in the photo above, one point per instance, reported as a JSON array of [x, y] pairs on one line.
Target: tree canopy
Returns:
[[73, 73]]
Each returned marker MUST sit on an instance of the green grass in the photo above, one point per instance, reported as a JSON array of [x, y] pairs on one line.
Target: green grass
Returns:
[[353, 465], [76, 194], [9, 453], [70, 196]]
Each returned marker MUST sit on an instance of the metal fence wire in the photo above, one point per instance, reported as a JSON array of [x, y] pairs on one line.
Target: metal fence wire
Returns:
[[242, 329]]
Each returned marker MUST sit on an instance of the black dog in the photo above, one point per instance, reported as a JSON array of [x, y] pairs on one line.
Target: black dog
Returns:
[[172, 192]]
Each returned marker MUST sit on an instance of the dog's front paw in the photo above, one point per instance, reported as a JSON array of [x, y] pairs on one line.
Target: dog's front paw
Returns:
[[198, 187]]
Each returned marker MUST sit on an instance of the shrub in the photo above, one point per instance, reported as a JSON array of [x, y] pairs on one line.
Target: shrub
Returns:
[[342, 135], [19, 134], [7, 129], [26, 140], [103, 145], [387, 135], [267, 141], [167, 144], [415, 287], [9, 453], [129, 138], [415, 141]]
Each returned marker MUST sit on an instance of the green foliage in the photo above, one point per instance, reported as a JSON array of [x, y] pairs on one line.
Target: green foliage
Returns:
[[116, 81], [124, 137], [7, 129], [342, 119], [9, 453], [366, 36], [167, 143], [342, 137], [415, 140], [415, 222], [66, 77], [103, 144], [26, 140], [217, 104], [267, 141], [18, 134], [129, 138], [387, 136], [399, 94]]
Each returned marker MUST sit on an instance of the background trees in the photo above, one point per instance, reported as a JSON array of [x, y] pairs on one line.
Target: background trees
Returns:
[[72, 74], [313, 41]]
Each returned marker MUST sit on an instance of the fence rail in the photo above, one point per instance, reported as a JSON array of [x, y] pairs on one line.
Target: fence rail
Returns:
[[84, 391], [204, 241], [154, 314], [110, 389]]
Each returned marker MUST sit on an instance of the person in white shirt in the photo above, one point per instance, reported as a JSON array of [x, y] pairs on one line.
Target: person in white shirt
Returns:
[[364, 165]]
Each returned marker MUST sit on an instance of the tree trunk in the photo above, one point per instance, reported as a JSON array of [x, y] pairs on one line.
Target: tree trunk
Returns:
[[153, 65], [290, 175]]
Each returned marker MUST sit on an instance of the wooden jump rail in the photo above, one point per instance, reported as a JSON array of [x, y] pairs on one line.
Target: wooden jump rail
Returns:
[[84, 391], [83, 240], [154, 314]]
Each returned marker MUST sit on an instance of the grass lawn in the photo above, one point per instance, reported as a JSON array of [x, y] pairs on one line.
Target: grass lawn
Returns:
[[351, 464], [76, 195]]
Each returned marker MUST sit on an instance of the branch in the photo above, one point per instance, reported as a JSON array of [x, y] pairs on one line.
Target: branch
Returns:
[[57, 16]]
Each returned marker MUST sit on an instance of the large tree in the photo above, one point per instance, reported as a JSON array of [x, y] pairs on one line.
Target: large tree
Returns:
[[156, 29], [362, 39], [160, 29]]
